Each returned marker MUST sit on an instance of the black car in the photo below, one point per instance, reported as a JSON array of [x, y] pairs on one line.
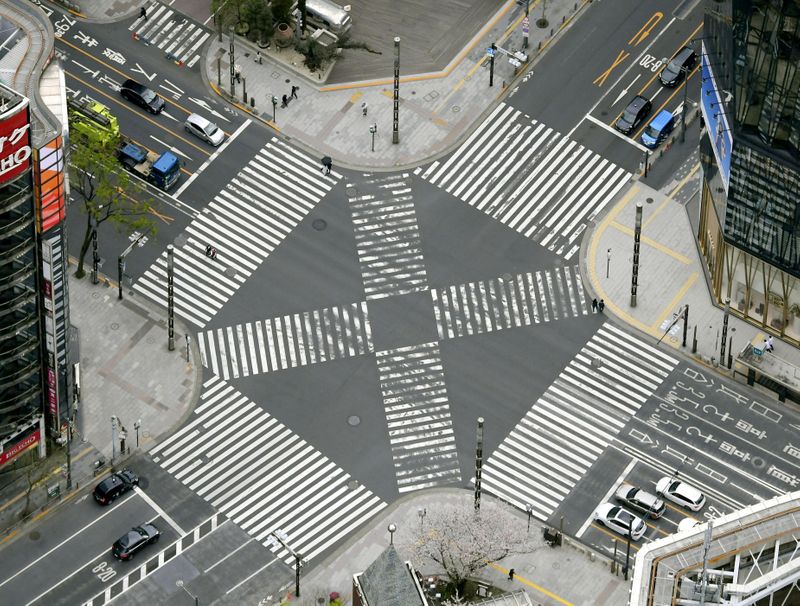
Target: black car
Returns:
[[141, 96], [114, 485], [683, 61], [633, 115], [132, 541]]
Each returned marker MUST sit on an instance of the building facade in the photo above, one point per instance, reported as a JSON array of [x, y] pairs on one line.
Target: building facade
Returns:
[[749, 220]]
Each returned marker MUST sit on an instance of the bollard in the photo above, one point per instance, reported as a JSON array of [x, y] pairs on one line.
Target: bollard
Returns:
[[244, 90], [253, 102], [694, 340]]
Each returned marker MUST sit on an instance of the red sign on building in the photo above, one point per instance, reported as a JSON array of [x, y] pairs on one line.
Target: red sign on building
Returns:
[[15, 144]]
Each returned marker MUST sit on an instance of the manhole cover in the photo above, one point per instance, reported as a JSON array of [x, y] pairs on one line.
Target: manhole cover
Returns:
[[352, 484], [95, 295], [556, 565], [114, 326], [180, 241], [353, 420], [456, 109], [351, 191], [649, 200], [542, 23], [758, 462], [597, 362], [230, 272], [506, 277], [34, 535], [319, 224]]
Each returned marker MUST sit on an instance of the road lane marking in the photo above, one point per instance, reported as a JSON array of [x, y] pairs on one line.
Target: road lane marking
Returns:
[[616, 133], [645, 30], [220, 561], [607, 496], [69, 538], [160, 511], [213, 157]]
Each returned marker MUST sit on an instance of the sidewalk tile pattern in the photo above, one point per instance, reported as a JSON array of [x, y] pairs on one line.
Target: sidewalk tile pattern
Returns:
[[418, 417], [387, 236], [288, 341], [176, 35], [263, 476], [245, 222], [509, 301], [530, 178], [555, 444]]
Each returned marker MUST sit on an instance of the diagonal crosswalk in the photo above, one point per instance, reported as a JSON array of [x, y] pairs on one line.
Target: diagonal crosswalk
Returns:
[[509, 302], [262, 475], [176, 35], [387, 236], [530, 178], [418, 417], [289, 341], [556, 443], [245, 222]]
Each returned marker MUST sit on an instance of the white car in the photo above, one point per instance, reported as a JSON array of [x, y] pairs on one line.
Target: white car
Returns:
[[620, 520], [681, 493], [687, 524], [205, 130]]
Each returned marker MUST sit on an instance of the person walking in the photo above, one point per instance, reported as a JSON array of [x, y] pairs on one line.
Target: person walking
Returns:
[[327, 164], [285, 101], [364, 108], [294, 92], [601, 306], [143, 13], [511, 574], [769, 345], [594, 305]]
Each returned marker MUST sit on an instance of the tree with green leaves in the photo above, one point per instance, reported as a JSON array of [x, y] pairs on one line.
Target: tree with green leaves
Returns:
[[106, 193], [259, 17], [282, 11], [227, 12]]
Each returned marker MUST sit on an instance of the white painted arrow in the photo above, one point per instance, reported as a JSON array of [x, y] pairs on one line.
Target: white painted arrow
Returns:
[[174, 150], [204, 104], [626, 89]]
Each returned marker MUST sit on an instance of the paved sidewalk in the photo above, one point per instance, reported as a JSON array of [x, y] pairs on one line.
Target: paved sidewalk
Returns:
[[126, 371], [552, 576], [670, 275], [437, 110]]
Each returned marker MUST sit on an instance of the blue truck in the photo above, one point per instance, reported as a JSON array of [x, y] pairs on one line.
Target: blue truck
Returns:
[[163, 171]]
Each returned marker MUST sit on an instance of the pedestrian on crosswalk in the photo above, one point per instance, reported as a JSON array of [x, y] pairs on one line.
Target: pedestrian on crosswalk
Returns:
[[594, 305], [143, 13], [327, 164], [601, 306]]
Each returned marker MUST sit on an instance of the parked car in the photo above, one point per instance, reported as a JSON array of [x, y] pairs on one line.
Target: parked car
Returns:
[[141, 96], [681, 493], [620, 520], [115, 485], [687, 524], [659, 129], [641, 501], [683, 61], [637, 110], [204, 129], [134, 540]]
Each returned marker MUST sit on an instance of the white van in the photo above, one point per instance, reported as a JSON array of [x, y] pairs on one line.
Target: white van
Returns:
[[329, 15]]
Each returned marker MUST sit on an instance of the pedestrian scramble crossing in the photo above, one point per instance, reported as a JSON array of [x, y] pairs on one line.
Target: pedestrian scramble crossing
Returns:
[[556, 443], [245, 222], [530, 178], [263, 476], [509, 301], [287, 341], [417, 411], [387, 236], [177, 36]]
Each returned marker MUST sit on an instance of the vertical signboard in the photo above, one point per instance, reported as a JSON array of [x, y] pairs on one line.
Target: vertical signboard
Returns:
[[713, 101], [15, 143], [49, 184], [51, 342]]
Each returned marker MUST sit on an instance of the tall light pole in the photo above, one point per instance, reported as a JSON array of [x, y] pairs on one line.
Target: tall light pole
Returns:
[[529, 509], [396, 97], [281, 538], [136, 425], [421, 512], [170, 301], [637, 237], [114, 421], [478, 465]]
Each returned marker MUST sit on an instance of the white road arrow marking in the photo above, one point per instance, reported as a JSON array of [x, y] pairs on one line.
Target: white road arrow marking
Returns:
[[202, 103], [626, 89], [174, 150], [139, 69]]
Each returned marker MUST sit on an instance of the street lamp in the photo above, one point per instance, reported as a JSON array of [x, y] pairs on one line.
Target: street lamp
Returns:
[[274, 109], [373, 129], [282, 538], [180, 584], [608, 261], [391, 528], [114, 421], [136, 425], [421, 512], [529, 509]]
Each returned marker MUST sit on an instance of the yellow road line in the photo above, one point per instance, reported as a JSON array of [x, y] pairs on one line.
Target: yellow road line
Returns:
[[652, 243], [532, 585], [672, 306]]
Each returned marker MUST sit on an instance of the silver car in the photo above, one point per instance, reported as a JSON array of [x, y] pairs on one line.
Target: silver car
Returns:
[[204, 129], [639, 500]]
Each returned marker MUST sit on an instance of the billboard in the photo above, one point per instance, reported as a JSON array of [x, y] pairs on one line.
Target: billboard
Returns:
[[49, 184], [713, 102], [15, 142]]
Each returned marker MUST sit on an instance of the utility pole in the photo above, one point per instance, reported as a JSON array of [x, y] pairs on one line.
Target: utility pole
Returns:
[[637, 237], [685, 323], [274, 109], [373, 129], [628, 551], [170, 300], [114, 421], [608, 262], [121, 262], [95, 256], [491, 52], [479, 465], [297, 558], [232, 60], [683, 110], [396, 95]]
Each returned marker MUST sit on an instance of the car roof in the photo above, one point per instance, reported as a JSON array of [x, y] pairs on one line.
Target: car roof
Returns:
[[199, 120], [688, 491], [134, 85], [683, 54], [663, 117], [638, 101]]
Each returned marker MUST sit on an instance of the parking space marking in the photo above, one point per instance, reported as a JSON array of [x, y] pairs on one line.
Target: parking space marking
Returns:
[[607, 496], [159, 511]]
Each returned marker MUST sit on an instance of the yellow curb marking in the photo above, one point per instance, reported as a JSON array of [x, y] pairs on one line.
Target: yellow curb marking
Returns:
[[538, 588], [356, 96], [672, 306], [652, 243]]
